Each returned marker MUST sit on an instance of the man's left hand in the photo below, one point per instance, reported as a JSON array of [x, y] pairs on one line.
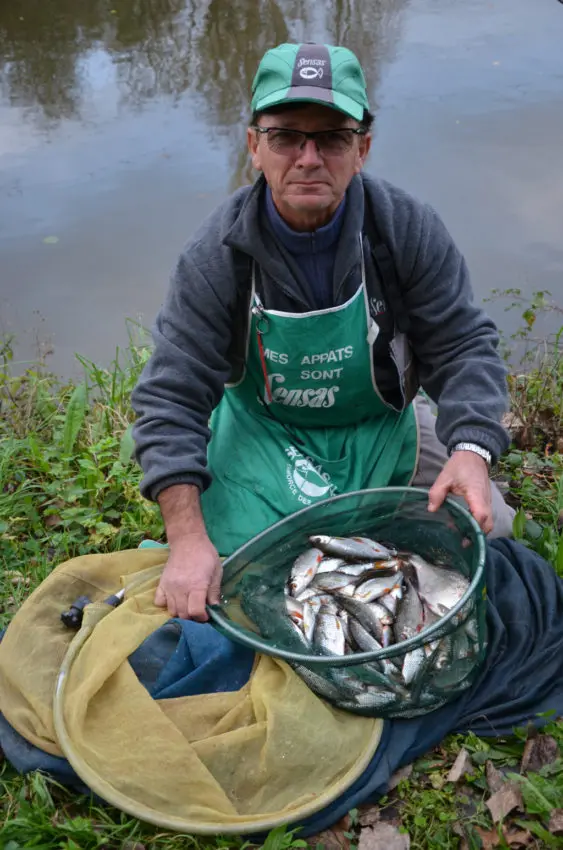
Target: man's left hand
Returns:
[[465, 474]]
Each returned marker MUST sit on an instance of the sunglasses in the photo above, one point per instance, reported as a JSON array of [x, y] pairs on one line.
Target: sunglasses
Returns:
[[328, 142]]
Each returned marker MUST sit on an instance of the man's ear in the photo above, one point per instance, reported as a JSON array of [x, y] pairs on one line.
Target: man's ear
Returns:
[[253, 140], [363, 151]]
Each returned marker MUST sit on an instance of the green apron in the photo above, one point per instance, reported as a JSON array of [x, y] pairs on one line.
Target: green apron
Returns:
[[305, 423]]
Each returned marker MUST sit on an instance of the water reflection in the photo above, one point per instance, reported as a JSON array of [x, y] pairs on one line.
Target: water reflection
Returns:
[[165, 48]]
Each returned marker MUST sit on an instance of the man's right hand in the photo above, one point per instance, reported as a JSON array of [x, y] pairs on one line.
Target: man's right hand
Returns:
[[191, 577]]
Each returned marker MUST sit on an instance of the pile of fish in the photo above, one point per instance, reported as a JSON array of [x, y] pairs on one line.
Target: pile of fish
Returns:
[[349, 595]]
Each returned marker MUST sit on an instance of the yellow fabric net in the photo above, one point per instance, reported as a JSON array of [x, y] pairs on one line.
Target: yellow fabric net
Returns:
[[269, 753]]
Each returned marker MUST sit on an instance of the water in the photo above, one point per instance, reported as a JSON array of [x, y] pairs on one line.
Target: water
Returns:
[[122, 125]]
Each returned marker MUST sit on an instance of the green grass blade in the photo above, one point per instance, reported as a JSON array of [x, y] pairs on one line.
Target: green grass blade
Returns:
[[74, 418], [126, 446]]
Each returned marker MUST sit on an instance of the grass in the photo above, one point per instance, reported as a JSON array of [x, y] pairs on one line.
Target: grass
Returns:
[[69, 486]]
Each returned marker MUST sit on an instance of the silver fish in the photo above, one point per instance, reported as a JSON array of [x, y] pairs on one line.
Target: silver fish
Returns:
[[345, 621], [311, 608], [440, 588], [373, 617], [371, 569], [334, 582], [410, 617], [348, 682], [373, 588], [379, 546], [388, 677], [391, 600], [299, 634], [357, 548], [318, 684], [412, 663], [373, 699], [443, 654], [329, 634], [308, 593], [364, 639], [463, 648], [472, 629], [357, 570], [304, 570], [429, 619], [367, 643], [295, 610], [331, 565]]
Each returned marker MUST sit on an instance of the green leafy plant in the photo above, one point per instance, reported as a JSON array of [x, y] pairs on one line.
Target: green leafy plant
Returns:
[[535, 379]]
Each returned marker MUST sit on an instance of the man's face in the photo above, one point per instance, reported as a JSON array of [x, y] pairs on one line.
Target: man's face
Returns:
[[307, 183]]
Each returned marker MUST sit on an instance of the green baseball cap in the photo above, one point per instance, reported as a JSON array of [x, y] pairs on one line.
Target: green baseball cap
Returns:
[[311, 73]]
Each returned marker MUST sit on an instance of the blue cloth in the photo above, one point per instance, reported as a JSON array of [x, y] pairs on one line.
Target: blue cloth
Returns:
[[194, 659], [314, 251], [522, 677]]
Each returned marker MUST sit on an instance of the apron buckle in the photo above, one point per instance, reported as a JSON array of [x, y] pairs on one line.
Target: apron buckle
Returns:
[[262, 323]]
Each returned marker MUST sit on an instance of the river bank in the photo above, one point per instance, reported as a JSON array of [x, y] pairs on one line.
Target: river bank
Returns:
[[69, 486]]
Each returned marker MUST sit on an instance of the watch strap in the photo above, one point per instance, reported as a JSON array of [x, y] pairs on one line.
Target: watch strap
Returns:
[[476, 449]]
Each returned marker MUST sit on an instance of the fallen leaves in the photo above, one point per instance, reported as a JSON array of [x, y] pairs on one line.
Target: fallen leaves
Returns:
[[369, 816], [383, 836], [538, 752], [503, 837], [398, 776], [336, 838], [495, 779], [556, 822], [461, 767], [508, 798], [52, 520]]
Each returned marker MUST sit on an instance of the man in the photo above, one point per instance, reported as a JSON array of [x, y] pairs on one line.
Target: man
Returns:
[[322, 300]]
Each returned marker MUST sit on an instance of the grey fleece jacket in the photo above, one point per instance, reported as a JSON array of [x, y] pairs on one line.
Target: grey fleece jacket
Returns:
[[454, 342]]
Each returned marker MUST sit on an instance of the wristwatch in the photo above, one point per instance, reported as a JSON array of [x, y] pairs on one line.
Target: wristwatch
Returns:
[[478, 450]]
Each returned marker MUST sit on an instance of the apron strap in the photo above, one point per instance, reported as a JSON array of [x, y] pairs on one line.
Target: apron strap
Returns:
[[261, 327]]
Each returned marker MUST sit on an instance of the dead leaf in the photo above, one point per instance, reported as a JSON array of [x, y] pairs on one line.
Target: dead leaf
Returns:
[[556, 822], [518, 837], [489, 837], [330, 839], [501, 836], [460, 767], [133, 845], [345, 824], [505, 801], [52, 520], [495, 779], [383, 836], [399, 775], [537, 752], [369, 816]]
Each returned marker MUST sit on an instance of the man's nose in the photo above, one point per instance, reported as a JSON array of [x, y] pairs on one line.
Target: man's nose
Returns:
[[309, 155]]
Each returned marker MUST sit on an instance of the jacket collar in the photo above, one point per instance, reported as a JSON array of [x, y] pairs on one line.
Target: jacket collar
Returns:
[[249, 234]]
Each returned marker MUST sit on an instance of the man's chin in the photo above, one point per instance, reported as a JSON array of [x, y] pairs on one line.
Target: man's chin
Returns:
[[309, 202]]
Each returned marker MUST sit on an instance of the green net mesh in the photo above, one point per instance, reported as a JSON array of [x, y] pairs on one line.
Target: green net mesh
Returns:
[[445, 654]]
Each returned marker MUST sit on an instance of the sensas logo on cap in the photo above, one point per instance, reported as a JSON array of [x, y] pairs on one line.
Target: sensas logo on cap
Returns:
[[311, 69]]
